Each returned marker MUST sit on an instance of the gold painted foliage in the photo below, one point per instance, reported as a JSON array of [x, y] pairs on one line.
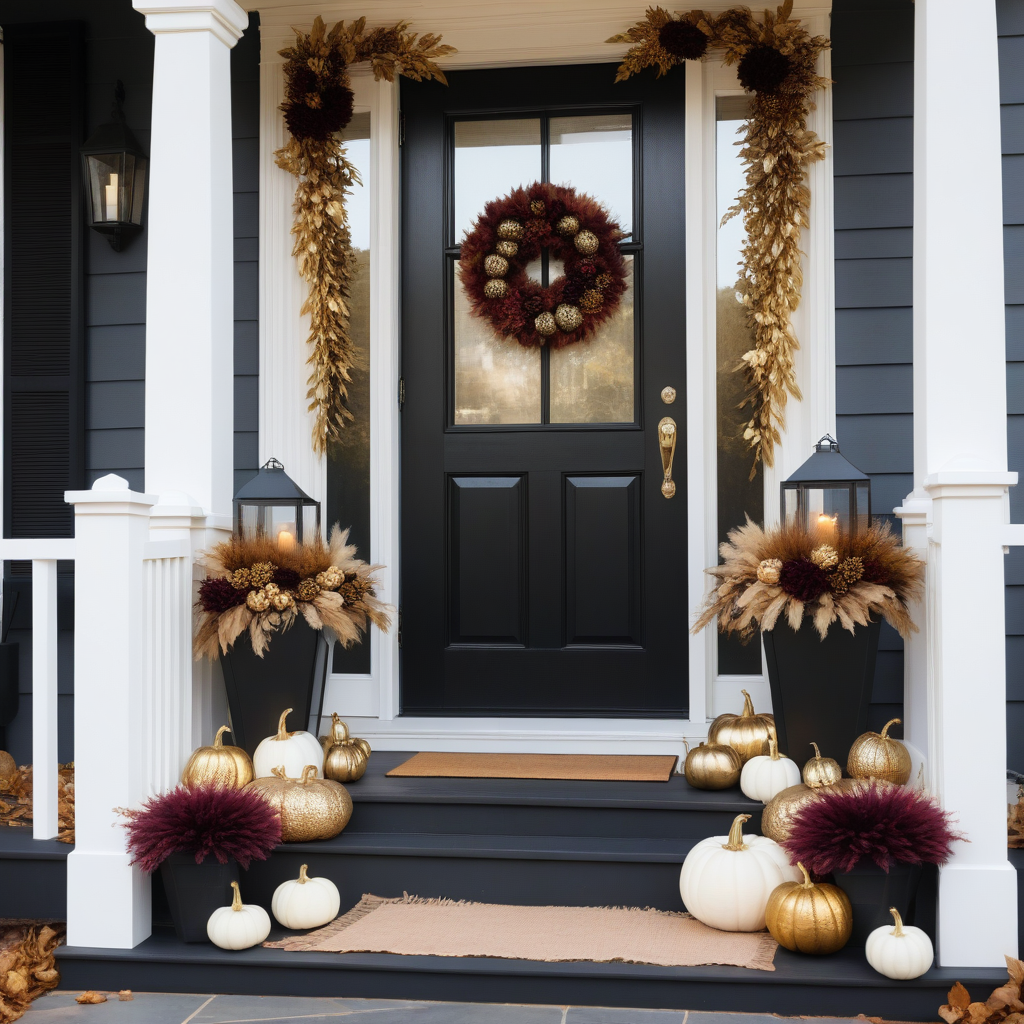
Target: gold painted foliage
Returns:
[[776, 151]]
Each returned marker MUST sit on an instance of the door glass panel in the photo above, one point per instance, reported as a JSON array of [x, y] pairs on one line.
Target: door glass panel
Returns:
[[497, 380], [491, 159], [738, 495], [592, 382], [594, 154]]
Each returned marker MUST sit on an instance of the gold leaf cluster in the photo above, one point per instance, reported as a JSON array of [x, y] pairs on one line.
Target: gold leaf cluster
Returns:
[[1003, 1006], [16, 799], [323, 241], [776, 150], [27, 965]]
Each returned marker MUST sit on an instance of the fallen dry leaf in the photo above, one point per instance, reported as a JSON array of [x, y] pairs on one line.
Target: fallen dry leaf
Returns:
[[91, 997], [125, 995], [1003, 1006]]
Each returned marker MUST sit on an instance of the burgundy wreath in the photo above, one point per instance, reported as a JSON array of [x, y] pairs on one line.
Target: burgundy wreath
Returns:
[[511, 233]]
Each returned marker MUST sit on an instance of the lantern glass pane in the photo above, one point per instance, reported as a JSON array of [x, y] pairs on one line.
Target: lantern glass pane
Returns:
[[138, 192], [310, 523], [106, 176], [863, 506], [248, 520], [823, 508], [279, 524]]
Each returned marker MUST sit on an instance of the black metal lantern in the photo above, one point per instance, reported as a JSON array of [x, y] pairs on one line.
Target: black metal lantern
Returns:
[[827, 493], [114, 169], [274, 505]]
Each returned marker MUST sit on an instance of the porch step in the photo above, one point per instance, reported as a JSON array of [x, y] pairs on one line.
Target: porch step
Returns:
[[839, 985], [34, 875]]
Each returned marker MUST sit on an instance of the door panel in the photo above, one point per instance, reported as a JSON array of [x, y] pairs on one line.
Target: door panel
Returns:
[[531, 479]]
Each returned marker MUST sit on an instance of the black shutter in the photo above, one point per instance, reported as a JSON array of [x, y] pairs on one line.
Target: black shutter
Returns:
[[44, 400]]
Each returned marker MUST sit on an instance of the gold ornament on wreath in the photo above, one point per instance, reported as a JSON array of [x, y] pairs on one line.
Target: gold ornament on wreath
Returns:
[[776, 61], [317, 107], [511, 233]]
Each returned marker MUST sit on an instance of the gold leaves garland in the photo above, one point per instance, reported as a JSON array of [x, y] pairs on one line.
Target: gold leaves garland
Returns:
[[776, 61], [317, 107]]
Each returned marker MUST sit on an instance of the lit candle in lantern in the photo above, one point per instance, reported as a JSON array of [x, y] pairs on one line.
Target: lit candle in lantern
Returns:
[[827, 523], [111, 197], [285, 540]]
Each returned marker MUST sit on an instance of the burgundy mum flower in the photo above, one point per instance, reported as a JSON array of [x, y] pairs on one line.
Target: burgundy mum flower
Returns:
[[286, 577], [763, 69], [803, 579], [874, 572], [683, 39], [218, 595]]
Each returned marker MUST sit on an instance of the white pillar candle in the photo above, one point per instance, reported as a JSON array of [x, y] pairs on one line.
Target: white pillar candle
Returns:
[[111, 198]]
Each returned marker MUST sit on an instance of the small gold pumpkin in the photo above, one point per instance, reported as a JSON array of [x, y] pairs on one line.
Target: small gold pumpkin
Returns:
[[345, 756], [218, 765], [310, 808], [879, 756], [778, 814], [821, 771], [746, 733], [711, 766], [809, 917]]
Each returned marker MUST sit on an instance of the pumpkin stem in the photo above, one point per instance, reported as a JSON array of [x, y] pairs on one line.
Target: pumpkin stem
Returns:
[[817, 752], [309, 772], [282, 732], [217, 741], [303, 877], [236, 900], [339, 730], [686, 744], [898, 930], [736, 833], [279, 772], [806, 883], [748, 706], [885, 728], [773, 747]]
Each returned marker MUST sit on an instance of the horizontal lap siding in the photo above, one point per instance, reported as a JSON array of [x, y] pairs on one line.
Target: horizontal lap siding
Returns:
[[873, 104], [1011, 95]]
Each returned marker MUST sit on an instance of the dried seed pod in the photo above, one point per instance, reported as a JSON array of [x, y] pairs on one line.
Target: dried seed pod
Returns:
[[586, 242], [495, 266]]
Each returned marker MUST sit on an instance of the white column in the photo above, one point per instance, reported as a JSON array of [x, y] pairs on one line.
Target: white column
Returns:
[[960, 462], [44, 698], [190, 272], [108, 900]]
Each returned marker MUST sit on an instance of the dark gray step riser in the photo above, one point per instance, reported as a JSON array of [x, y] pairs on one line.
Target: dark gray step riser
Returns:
[[484, 880], [534, 820], [36, 889]]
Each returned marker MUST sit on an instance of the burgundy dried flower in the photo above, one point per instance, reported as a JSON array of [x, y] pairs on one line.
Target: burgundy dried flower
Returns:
[[886, 823], [533, 305], [556, 210], [286, 578], [683, 39], [229, 824], [333, 112], [803, 579], [218, 595], [763, 69], [874, 572], [585, 269], [572, 291]]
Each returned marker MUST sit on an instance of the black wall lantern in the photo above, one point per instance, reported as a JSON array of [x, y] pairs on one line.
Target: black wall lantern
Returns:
[[114, 168], [827, 493], [273, 504]]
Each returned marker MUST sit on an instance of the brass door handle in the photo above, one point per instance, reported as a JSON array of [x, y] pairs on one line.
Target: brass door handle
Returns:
[[667, 445]]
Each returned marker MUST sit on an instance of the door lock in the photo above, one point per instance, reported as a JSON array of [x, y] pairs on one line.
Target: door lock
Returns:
[[667, 445]]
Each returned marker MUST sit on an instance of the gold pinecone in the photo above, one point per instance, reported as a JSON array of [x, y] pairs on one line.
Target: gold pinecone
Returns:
[[537, 206], [768, 571], [240, 579], [586, 242], [545, 324], [330, 579], [592, 301], [257, 601], [510, 229], [495, 265], [261, 574], [495, 288], [824, 556], [568, 317], [603, 280], [848, 572], [506, 248], [568, 225], [307, 589], [354, 589]]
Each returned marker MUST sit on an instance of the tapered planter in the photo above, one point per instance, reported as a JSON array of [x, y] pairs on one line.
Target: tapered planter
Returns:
[[873, 891], [195, 891], [290, 674], [821, 689]]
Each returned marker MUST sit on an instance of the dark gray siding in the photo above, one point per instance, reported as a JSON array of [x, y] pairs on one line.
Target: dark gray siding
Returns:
[[873, 100]]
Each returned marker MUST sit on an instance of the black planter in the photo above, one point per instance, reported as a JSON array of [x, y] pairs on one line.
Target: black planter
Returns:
[[291, 674], [9, 698], [821, 689], [195, 891], [873, 891]]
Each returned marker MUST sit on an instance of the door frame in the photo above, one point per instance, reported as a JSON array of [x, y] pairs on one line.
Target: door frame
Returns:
[[371, 703]]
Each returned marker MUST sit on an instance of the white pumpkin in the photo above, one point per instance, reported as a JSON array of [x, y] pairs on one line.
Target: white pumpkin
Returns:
[[769, 774], [901, 953], [726, 880], [305, 902], [239, 926], [291, 751]]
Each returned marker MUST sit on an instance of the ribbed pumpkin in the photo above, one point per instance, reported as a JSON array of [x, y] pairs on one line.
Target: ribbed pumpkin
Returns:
[[821, 771], [769, 774], [218, 765], [879, 756], [310, 808], [291, 750], [345, 757], [809, 917], [777, 817], [746, 732], [712, 766]]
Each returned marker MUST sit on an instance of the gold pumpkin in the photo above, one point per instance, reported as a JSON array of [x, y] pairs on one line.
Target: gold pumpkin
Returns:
[[218, 765], [310, 808], [778, 814], [712, 766], [345, 757], [821, 771], [746, 733], [809, 918], [879, 756]]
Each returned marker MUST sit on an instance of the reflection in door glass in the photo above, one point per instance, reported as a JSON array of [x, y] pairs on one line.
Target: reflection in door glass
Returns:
[[738, 495], [491, 159], [594, 154], [497, 380], [592, 382]]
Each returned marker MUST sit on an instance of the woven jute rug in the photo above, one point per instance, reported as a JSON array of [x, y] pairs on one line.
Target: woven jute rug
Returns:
[[599, 767], [412, 926]]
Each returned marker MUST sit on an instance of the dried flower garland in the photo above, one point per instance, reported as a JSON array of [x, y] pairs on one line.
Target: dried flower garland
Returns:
[[766, 573], [776, 62], [253, 585], [318, 105], [511, 233]]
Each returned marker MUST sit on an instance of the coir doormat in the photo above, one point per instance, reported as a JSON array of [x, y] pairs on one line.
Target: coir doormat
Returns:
[[597, 767], [411, 926]]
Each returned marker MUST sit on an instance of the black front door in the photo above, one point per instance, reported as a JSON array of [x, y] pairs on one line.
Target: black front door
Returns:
[[543, 570]]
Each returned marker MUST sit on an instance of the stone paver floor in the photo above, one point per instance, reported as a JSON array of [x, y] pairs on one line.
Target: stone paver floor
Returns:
[[164, 1008]]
